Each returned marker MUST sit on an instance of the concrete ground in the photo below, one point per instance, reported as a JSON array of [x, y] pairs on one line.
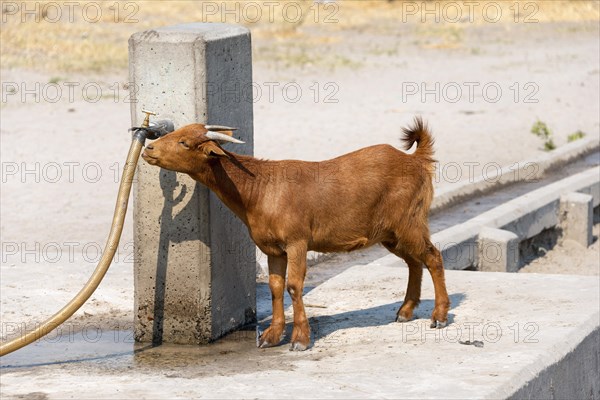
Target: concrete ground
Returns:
[[56, 223], [520, 324]]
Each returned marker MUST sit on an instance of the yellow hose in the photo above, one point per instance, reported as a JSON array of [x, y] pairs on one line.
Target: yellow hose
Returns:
[[107, 256]]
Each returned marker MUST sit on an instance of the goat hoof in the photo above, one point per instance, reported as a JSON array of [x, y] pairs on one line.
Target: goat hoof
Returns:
[[404, 314], [438, 324], [400, 318], [297, 346], [266, 339], [263, 343]]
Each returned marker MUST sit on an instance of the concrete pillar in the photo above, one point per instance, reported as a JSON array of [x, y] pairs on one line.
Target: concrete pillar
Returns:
[[576, 217], [195, 264], [498, 250]]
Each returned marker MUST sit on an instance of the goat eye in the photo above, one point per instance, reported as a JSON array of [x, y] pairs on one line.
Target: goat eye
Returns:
[[184, 144]]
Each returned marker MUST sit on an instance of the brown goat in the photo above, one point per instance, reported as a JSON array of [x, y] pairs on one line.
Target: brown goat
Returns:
[[373, 195]]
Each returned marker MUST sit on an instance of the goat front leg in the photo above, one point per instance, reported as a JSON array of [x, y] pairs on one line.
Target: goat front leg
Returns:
[[296, 255], [274, 333]]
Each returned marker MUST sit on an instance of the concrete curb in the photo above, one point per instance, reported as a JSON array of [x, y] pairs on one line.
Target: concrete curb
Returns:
[[525, 216], [527, 170], [570, 370]]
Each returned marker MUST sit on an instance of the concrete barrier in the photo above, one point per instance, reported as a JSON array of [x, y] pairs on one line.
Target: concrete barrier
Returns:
[[569, 373], [194, 260], [525, 216], [498, 250], [576, 217]]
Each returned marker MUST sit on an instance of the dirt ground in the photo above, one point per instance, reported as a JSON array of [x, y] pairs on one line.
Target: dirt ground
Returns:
[[336, 88], [568, 257]]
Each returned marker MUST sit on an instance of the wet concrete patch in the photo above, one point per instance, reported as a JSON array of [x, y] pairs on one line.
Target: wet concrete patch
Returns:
[[71, 347], [33, 396], [114, 351]]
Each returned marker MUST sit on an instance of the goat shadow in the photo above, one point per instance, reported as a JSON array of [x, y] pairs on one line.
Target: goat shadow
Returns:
[[168, 224], [327, 326], [177, 228]]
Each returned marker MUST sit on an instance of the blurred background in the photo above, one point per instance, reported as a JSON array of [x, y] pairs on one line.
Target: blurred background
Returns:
[[329, 77]]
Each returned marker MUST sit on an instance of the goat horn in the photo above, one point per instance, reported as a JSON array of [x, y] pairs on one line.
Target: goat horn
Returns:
[[221, 137], [219, 128]]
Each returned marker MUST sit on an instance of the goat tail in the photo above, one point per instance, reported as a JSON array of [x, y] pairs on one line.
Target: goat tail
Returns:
[[420, 133]]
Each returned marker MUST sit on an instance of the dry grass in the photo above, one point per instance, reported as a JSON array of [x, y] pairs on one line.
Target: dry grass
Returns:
[[84, 46]]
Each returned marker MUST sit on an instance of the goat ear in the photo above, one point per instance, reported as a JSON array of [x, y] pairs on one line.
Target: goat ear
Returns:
[[212, 149]]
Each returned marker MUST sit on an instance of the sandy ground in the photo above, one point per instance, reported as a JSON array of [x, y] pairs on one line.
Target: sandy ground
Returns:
[[568, 257], [61, 161]]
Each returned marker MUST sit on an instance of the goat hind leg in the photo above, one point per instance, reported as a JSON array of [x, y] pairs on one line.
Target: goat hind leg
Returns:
[[274, 333], [413, 289], [433, 260]]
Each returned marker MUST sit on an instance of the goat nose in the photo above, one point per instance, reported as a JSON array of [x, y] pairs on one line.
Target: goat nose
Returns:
[[150, 147]]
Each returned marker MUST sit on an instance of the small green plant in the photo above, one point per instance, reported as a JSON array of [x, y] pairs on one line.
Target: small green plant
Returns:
[[575, 136], [55, 79], [541, 130]]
